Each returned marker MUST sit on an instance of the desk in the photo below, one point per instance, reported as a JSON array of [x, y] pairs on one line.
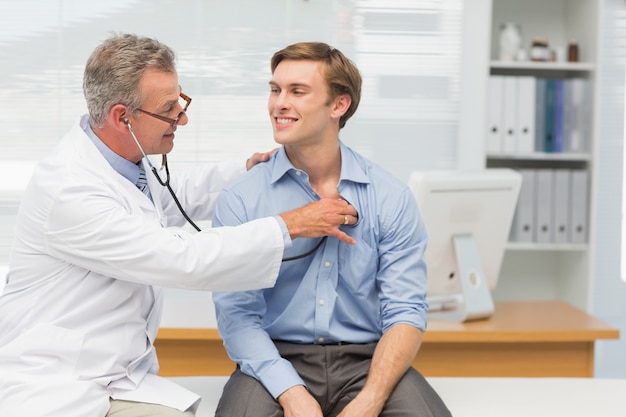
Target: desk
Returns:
[[522, 339]]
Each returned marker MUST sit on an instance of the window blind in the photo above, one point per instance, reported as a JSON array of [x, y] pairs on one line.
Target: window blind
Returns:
[[407, 50]]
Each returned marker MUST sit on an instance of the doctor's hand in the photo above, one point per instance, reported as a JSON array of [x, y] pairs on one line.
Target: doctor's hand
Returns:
[[259, 157], [321, 218], [297, 402]]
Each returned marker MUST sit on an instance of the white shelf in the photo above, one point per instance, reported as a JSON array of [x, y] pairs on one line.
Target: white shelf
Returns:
[[543, 156], [543, 66]]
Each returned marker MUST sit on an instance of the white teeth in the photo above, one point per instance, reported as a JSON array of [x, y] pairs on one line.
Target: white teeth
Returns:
[[283, 121]]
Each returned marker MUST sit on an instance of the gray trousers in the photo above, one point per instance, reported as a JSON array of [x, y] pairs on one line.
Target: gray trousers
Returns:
[[334, 374]]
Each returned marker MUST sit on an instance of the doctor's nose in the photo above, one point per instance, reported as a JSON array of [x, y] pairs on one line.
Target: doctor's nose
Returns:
[[182, 119]]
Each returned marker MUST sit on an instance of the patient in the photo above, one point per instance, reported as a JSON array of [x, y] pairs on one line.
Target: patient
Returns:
[[337, 334]]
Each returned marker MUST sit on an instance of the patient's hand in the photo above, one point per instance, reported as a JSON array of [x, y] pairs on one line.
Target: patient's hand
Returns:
[[362, 407], [297, 402]]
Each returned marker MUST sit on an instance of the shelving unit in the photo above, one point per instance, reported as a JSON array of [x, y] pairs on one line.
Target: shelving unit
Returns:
[[549, 270]]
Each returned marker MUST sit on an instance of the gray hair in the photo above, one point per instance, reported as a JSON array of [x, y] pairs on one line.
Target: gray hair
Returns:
[[114, 69]]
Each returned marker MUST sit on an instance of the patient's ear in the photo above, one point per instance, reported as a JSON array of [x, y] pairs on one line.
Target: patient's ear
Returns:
[[341, 105]]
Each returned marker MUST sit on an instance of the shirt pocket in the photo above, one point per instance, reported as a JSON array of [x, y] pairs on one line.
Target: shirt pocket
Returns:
[[358, 266]]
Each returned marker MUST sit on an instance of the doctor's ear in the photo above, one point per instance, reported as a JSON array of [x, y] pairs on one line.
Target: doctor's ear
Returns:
[[120, 113]]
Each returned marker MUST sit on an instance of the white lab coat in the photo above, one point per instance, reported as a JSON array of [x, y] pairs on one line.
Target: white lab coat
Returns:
[[82, 302]]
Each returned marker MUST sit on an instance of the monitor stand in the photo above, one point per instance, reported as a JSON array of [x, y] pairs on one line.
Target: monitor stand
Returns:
[[476, 301]]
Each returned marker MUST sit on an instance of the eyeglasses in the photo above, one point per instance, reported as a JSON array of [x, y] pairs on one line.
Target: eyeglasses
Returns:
[[172, 122]]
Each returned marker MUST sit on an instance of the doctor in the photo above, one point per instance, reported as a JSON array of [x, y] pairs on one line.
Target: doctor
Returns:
[[82, 301]]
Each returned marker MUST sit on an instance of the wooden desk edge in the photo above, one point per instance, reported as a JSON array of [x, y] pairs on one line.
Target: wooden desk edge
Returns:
[[469, 336], [437, 336], [182, 333]]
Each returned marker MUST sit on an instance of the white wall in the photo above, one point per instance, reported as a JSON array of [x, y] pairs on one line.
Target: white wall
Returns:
[[609, 292]]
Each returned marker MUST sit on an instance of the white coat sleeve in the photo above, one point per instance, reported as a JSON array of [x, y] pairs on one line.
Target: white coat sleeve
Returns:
[[113, 237]]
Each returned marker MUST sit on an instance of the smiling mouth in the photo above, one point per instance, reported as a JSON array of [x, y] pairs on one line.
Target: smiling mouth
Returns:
[[284, 120]]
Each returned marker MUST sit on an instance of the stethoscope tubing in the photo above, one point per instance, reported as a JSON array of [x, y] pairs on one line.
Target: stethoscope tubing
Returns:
[[166, 184]]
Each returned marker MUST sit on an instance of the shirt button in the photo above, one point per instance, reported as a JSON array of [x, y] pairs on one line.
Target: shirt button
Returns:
[[322, 302], [298, 173], [321, 340], [327, 264]]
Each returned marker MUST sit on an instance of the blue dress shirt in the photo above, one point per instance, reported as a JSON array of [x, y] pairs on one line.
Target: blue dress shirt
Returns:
[[340, 293]]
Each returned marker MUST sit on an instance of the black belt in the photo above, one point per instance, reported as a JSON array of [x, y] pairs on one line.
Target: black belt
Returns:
[[315, 343]]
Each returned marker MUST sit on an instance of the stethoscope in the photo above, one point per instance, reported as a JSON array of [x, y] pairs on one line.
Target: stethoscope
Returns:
[[166, 184]]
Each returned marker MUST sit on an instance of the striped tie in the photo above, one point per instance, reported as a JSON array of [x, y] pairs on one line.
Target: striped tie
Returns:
[[142, 182]]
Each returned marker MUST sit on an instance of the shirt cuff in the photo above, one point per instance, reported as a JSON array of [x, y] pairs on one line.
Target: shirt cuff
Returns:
[[283, 227], [280, 377]]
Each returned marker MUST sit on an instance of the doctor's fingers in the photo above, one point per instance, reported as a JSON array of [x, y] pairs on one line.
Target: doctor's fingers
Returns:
[[321, 218], [259, 157]]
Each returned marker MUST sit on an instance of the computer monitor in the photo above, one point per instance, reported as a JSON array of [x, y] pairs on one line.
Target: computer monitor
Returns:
[[468, 216]]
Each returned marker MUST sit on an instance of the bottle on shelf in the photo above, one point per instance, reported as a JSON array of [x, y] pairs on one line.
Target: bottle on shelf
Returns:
[[539, 50], [572, 51], [510, 41]]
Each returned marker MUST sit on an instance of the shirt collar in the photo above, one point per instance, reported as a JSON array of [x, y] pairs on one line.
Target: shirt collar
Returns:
[[122, 166], [351, 170]]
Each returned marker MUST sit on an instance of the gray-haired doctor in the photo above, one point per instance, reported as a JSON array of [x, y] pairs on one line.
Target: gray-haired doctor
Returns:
[[82, 300]]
